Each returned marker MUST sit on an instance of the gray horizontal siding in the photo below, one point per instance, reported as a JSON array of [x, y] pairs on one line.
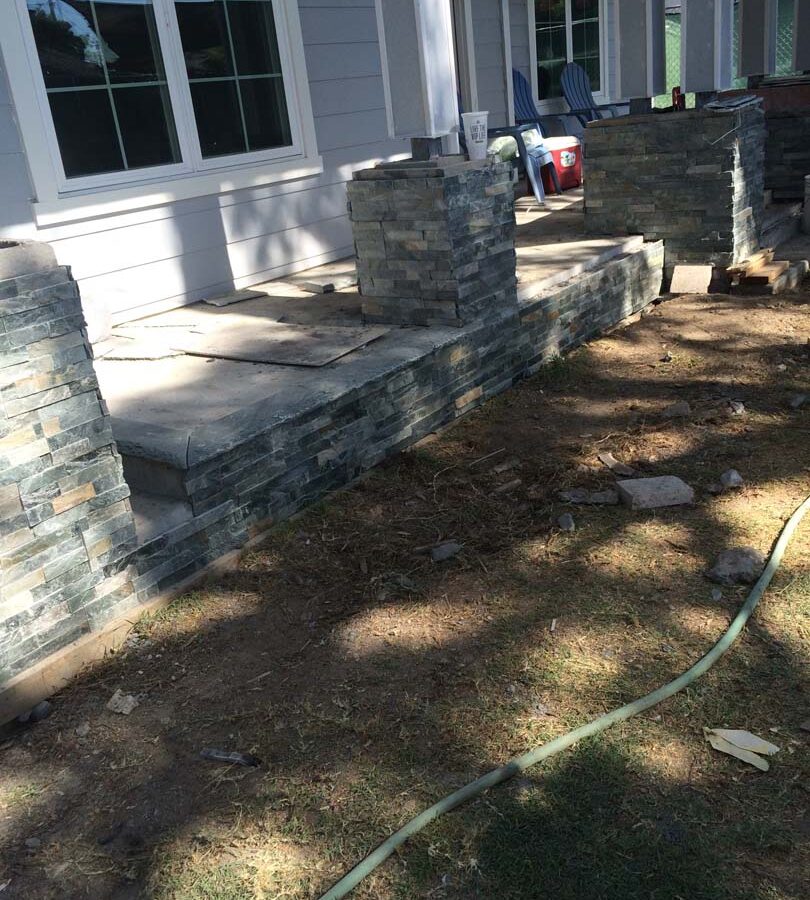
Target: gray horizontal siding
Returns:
[[151, 259], [519, 28], [489, 59]]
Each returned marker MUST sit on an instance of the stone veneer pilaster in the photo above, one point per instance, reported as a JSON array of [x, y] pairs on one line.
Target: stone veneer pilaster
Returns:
[[65, 521], [694, 179], [435, 240]]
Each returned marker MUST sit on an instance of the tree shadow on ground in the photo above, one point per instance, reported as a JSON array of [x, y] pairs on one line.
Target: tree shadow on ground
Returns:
[[371, 681]]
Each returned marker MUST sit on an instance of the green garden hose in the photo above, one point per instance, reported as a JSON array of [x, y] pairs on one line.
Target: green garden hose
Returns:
[[545, 751]]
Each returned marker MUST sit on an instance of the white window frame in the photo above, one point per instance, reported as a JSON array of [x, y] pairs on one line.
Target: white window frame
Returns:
[[558, 104], [60, 199]]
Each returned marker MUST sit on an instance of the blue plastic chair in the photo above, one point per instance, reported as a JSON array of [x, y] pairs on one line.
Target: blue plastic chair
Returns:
[[525, 110], [532, 159], [576, 88]]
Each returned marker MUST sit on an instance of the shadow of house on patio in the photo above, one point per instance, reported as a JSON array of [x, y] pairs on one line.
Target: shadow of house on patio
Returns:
[[371, 681]]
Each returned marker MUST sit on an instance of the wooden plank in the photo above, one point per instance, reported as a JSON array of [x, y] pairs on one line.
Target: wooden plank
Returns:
[[753, 263], [767, 274]]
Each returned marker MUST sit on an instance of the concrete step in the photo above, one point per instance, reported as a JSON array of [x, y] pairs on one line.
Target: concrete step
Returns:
[[782, 221]]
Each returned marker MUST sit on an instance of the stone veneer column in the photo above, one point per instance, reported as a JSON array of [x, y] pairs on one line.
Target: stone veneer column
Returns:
[[65, 520], [435, 240], [694, 179]]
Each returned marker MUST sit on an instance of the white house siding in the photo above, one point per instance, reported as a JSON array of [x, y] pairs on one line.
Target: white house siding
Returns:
[[15, 191], [490, 69], [143, 261], [519, 27]]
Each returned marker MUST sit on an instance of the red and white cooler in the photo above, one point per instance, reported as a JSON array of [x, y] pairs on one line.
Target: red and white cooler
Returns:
[[567, 153]]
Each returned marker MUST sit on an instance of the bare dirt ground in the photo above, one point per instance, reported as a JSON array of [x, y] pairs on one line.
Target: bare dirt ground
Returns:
[[370, 680]]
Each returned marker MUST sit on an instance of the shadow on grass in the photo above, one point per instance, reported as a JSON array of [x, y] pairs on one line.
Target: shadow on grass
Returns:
[[371, 682]]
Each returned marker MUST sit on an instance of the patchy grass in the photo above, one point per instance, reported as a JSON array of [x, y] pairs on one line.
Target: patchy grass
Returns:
[[371, 681]]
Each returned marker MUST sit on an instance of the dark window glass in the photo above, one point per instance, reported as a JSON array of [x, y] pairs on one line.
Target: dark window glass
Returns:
[[70, 52], [265, 113], [219, 122], [204, 33], [106, 85], [232, 60], [551, 40], [142, 117], [85, 129], [254, 37]]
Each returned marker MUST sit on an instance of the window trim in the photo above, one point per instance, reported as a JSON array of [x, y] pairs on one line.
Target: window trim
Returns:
[[58, 199], [558, 104]]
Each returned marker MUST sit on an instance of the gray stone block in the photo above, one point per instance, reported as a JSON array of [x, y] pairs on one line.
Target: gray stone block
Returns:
[[653, 493]]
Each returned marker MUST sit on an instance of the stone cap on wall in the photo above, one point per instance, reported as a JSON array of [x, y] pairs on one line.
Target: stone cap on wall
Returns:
[[24, 258], [443, 167], [680, 116]]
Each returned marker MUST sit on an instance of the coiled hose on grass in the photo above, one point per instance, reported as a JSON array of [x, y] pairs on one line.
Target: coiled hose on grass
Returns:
[[545, 751]]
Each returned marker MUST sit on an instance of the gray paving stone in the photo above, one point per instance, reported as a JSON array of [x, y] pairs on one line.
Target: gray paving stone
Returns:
[[654, 493]]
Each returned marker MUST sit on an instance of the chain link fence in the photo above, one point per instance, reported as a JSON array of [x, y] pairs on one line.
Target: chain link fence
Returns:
[[784, 50]]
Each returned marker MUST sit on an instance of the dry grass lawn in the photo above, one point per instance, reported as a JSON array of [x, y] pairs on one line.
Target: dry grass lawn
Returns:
[[371, 681]]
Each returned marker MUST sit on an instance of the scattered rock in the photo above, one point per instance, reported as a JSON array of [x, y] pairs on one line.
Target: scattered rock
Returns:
[[566, 522], [33, 843], [615, 466], [731, 479], [797, 401], [717, 595], [604, 498], [691, 279], [805, 726], [667, 357], [740, 565], [122, 703], [679, 410], [224, 756], [584, 497], [445, 551], [541, 709], [36, 714], [653, 493], [509, 487], [735, 408], [83, 730]]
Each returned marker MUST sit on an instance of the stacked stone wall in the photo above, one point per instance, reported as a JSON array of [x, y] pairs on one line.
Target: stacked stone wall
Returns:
[[693, 179], [66, 528], [434, 241], [787, 153]]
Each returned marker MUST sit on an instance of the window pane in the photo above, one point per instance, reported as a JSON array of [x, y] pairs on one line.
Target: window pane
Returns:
[[204, 33], [265, 113], [254, 37], [85, 129], [234, 69], [585, 39], [219, 123], [94, 54], [551, 44], [142, 114], [586, 9], [70, 51], [549, 12], [548, 79], [129, 36]]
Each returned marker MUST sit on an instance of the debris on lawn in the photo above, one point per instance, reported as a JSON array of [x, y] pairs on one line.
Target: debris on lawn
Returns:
[[566, 522], [83, 730], [729, 481], [797, 401], [717, 595], [735, 408], [679, 410], [445, 551], [740, 565], [615, 466], [234, 758], [653, 493], [584, 497], [805, 726], [36, 714], [33, 843], [741, 744], [507, 488], [122, 703]]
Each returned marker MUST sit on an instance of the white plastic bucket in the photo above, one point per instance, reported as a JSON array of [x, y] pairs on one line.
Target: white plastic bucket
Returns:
[[475, 133]]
